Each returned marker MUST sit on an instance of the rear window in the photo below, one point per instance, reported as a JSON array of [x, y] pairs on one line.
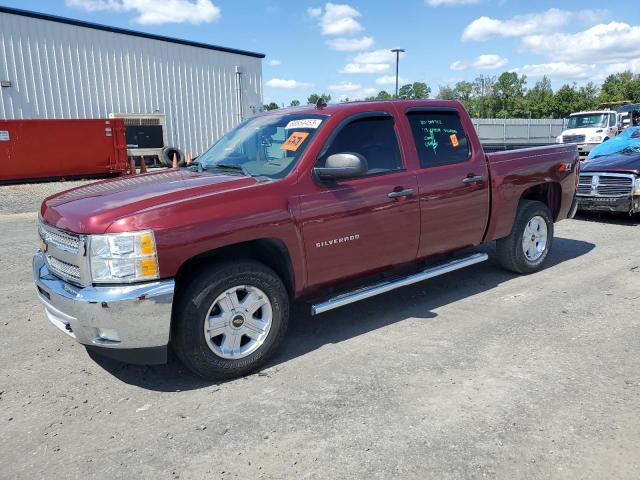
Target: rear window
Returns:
[[439, 138]]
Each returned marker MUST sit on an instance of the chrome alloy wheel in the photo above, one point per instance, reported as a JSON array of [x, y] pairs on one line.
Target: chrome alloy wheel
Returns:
[[238, 322], [534, 238]]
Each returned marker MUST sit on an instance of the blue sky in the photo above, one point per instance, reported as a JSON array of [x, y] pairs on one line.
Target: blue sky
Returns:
[[342, 48]]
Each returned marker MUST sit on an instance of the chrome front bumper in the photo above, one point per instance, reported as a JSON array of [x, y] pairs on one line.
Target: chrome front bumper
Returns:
[[140, 315]]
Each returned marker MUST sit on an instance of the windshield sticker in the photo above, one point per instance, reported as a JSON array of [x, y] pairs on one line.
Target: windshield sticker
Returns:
[[304, 123], [454, 140], [294, 141]]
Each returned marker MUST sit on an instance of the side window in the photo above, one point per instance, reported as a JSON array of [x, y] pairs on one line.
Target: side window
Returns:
[[612, 120], [372, 137], [439, 137]]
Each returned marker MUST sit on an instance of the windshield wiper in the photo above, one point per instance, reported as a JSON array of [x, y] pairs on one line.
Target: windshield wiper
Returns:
[[232, 166]]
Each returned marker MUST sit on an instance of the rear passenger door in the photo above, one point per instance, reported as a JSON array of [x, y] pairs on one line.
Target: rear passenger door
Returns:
[[453, 182]]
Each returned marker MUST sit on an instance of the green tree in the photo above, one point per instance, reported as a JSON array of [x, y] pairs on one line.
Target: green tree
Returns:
[[509, 92], [414, 90], [540, 99], [587, 97], [484, 105], [314, 97], [446, 93], [270, 106], [564, 101], [383, 95], [464, 94], [294, 103], [615, 87]]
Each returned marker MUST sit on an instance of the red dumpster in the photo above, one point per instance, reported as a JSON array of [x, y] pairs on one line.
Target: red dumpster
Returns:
[[39, 149]]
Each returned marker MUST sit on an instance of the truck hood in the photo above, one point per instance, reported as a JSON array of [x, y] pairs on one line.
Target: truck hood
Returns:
[[93, 208], [616, 162]]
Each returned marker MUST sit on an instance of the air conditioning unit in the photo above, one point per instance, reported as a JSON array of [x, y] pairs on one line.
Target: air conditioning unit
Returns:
[[146, 133]]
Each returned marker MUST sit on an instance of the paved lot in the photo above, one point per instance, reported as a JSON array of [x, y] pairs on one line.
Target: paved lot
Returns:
[[476, 374]]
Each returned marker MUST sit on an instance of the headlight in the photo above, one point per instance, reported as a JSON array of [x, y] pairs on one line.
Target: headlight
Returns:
[[597, 138], [123, 257], [636, 188]]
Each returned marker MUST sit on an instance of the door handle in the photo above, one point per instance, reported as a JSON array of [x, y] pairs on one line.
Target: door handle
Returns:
[[472, 179], [406, 192]]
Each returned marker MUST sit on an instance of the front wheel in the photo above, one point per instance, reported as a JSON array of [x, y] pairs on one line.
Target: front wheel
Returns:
[[230, 319], [529, 244]]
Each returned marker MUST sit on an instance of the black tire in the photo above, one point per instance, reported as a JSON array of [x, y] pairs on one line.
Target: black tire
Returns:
[[197, 296], [166, 156], [510, 251]]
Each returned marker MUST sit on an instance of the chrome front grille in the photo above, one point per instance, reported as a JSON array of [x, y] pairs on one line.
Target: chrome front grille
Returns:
[[68, 270], [605, 185], [573, 138], [64, 254], [59, 238]]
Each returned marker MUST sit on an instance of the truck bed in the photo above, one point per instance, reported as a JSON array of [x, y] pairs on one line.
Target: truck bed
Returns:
[[514, 171]]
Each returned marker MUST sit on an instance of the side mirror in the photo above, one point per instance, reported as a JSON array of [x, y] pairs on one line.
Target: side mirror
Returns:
[[341, 166]]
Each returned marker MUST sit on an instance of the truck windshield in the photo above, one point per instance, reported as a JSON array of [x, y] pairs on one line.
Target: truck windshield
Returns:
[[266, 145], [593, 120]]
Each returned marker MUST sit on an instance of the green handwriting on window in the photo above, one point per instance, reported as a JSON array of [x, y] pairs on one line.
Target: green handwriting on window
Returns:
[[430, 140]]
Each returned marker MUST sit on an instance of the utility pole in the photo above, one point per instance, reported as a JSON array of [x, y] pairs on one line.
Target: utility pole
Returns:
[[397, 52]]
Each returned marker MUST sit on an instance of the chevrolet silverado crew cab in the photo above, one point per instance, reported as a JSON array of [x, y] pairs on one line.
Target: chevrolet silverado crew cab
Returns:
[[589, 129], [326, 204]]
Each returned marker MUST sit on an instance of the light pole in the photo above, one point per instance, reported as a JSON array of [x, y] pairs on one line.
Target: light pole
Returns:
[[397, 52]]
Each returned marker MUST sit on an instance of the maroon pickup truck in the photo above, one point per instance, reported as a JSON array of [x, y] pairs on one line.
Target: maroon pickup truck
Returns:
[[326, 204]]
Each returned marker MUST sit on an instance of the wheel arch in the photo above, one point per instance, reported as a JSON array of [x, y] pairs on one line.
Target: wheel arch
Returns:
[[549, 193], [272, 252]]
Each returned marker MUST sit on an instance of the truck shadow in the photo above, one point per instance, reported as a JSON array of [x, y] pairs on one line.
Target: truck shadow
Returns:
[[307, 333]]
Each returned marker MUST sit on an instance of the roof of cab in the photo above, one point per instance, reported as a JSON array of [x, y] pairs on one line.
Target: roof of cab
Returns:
[[334, 108]]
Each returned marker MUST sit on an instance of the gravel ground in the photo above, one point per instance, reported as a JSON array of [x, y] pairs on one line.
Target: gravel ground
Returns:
[[26, 197], [476, 374]]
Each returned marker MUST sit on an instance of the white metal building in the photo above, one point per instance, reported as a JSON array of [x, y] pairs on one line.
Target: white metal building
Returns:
[[53, 67]]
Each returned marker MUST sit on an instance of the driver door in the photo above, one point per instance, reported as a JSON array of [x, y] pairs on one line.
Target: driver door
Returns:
[[357, 226]]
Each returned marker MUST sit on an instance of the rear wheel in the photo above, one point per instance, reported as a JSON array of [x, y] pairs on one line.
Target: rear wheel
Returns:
[[230, 319], [529, 244]]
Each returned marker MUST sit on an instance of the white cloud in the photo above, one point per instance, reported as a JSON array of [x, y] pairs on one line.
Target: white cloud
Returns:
[[558, 70], [484, 27], [377, 56], [280, 83], [631, 65], [274, 62], [391, 80], [350, 44], [376, 61], [365, 68], [612, 42], [156, 12], [448, 3], [344, 87], [337, 19], [351, 90], [458, 65], [481, 62], [490, 61]]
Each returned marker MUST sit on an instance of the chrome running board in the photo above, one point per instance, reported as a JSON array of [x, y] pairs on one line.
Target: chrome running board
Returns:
[[383, 287]]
